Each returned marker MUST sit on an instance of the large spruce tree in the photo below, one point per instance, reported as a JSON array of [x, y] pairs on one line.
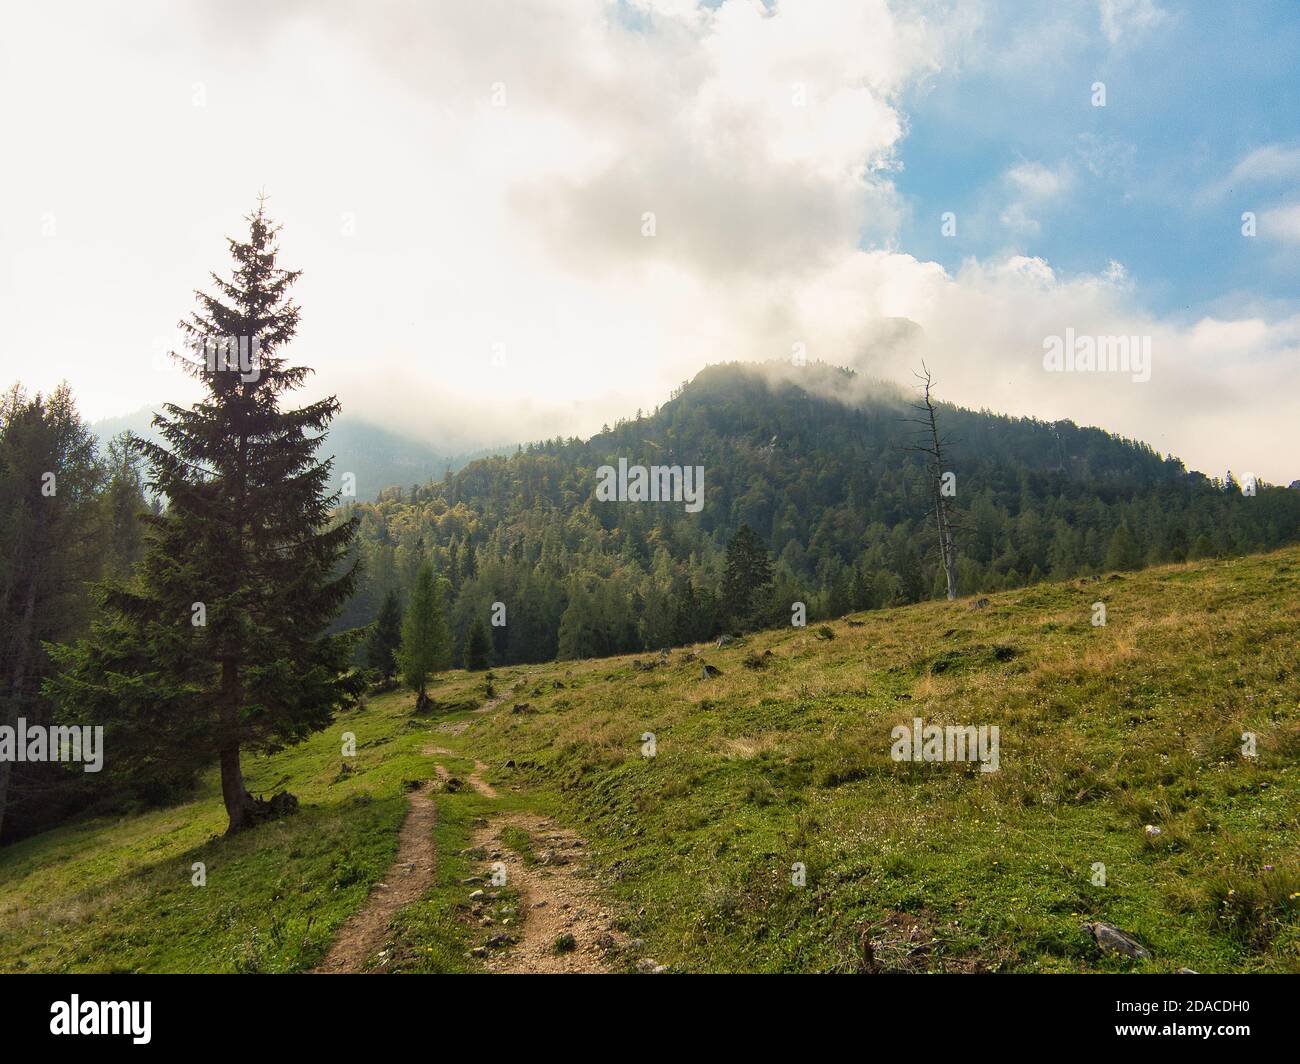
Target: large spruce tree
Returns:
[[220, 645]]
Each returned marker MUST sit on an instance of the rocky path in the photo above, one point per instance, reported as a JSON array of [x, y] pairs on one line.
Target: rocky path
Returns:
[[561, 925]]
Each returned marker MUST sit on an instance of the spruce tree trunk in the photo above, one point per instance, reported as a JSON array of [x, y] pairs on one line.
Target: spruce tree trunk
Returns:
[[239, 803]]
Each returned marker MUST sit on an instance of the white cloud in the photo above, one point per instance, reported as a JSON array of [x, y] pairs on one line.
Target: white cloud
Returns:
[[765, 142], [1272, 162], [1033, 186], [1038, 182], [1121, 19], [1265, 165], [1281, 224]]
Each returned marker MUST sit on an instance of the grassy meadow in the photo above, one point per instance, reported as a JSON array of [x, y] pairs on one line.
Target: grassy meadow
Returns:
[[784, 758]]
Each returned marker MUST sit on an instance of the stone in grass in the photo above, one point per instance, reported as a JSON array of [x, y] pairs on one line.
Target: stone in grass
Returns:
[[1109, 937], [649, 966], [708, 671], [1152, 832]]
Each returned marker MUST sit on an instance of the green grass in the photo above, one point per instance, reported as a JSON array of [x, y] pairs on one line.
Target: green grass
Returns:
[[117, 894], [517, 839], [908, 866], [1103, 730]]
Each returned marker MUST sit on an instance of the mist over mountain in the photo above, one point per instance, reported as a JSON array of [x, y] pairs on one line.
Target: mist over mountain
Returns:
[[820, 463], [378, 457]]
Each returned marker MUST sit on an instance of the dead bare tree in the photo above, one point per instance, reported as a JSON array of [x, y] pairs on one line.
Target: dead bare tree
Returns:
[[942, 480]]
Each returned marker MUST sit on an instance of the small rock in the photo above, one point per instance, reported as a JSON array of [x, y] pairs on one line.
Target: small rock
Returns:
[[478, 951], [1152, 832], [1110, 937], [474, 896]]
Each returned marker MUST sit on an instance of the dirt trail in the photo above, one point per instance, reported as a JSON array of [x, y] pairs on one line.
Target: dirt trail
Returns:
[[476, 779], [556, 895], [409, 876], [556, 898]]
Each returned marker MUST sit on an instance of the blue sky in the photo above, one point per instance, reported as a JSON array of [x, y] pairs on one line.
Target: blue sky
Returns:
[[1148, 176]]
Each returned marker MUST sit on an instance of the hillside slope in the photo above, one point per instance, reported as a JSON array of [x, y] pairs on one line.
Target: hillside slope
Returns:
[[1104, 730]]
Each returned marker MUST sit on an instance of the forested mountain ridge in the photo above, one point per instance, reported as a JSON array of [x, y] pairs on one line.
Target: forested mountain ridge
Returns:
[[819, 464]]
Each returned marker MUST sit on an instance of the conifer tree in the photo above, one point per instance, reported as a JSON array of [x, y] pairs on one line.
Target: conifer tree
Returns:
[[385, 638], [477, 647], [426, 643], [48, 547], [220, 645], [123, 504], [1124, 552], [748, 574]]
